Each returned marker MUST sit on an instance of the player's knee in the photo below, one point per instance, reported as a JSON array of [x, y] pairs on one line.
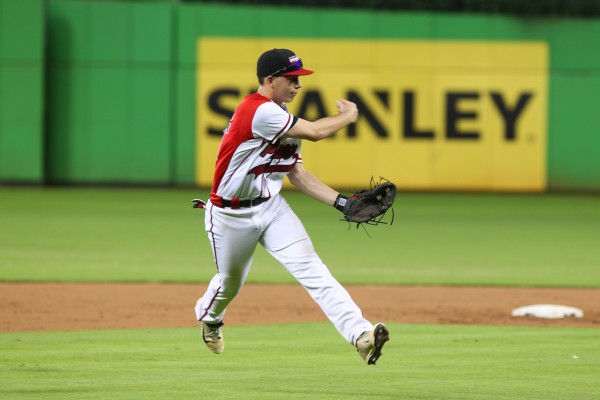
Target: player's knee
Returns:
[[231, 285]]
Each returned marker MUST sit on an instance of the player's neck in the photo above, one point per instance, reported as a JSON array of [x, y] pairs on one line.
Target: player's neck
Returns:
[[263, 91]]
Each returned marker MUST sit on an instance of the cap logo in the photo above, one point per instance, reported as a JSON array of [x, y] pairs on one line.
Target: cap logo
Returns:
[[280, 62]]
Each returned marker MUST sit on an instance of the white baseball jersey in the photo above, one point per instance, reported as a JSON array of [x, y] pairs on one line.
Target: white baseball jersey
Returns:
[[253, 158]]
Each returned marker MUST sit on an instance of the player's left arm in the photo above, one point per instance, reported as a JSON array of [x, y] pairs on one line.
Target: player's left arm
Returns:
[[311, 185]]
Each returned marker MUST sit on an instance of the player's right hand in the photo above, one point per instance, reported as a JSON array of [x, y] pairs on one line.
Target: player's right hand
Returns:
[[348, 108]]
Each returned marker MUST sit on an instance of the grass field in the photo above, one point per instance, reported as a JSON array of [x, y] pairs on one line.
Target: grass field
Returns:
[[303, 361], [154, 235], [57, 234]]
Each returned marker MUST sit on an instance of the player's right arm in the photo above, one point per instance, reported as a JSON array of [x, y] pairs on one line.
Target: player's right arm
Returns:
[[325, 127]]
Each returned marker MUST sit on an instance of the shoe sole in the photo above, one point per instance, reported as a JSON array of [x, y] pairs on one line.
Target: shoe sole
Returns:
[[381, 336]]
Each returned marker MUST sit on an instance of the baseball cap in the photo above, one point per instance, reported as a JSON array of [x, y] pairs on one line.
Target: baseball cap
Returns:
[[280, 62]]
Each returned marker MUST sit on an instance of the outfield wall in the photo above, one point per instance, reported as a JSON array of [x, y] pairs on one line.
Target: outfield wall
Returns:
[[122, 101]]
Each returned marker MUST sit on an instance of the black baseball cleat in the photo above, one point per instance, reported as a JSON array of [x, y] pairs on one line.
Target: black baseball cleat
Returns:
[[370, 343]]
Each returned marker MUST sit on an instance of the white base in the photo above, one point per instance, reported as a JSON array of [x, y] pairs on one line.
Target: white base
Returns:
[[547, 311]]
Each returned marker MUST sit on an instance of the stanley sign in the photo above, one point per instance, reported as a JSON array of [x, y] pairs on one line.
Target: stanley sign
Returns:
[[434, 115]]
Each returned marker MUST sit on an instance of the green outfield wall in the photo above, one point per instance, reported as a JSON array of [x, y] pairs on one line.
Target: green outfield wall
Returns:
[[120, 81]]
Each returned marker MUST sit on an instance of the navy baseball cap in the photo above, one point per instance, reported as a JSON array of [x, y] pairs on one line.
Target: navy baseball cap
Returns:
[[278, 62]]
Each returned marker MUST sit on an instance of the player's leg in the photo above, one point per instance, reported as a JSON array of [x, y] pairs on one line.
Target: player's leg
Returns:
[[233, 240], [287, 240]]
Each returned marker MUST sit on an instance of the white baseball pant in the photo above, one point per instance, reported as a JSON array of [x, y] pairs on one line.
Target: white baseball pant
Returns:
[[233, 235]]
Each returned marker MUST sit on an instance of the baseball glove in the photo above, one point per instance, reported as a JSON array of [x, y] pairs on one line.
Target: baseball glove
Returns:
[[368, 206]]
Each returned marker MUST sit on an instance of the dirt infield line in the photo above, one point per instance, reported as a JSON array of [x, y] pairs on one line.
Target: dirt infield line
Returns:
[[83, 306]]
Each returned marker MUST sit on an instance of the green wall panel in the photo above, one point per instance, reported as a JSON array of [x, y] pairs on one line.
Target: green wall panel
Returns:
[[185, 127], [21, 30], [336, 23], [151, 37], [21, 151], [575, 44], [573, 104], [575, 143], [228, 20], [125, 127], [21, 91], [150, 119], [461, 27], [111, 89], [506, 28], [271, 21], [195, 21], [109, 31], [186, 35], [407, 26], [67, 123], [68, 31], [108, 116]]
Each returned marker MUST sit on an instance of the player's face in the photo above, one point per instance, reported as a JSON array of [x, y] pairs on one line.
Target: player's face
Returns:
[[286, 88]]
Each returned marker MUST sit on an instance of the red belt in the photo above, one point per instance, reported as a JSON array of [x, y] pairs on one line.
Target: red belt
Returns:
[[237, 203]]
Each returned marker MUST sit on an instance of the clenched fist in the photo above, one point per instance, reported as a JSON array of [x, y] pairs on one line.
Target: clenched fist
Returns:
[[347, 107]]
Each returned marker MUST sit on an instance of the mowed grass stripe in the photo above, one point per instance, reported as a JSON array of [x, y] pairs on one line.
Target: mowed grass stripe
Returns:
[[299, 361], [91, 234]]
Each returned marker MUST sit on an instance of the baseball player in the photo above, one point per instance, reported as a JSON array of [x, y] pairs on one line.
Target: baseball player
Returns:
[[259, 148]]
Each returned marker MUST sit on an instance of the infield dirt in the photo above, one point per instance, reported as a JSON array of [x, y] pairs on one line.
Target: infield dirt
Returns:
[[82, 306]]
